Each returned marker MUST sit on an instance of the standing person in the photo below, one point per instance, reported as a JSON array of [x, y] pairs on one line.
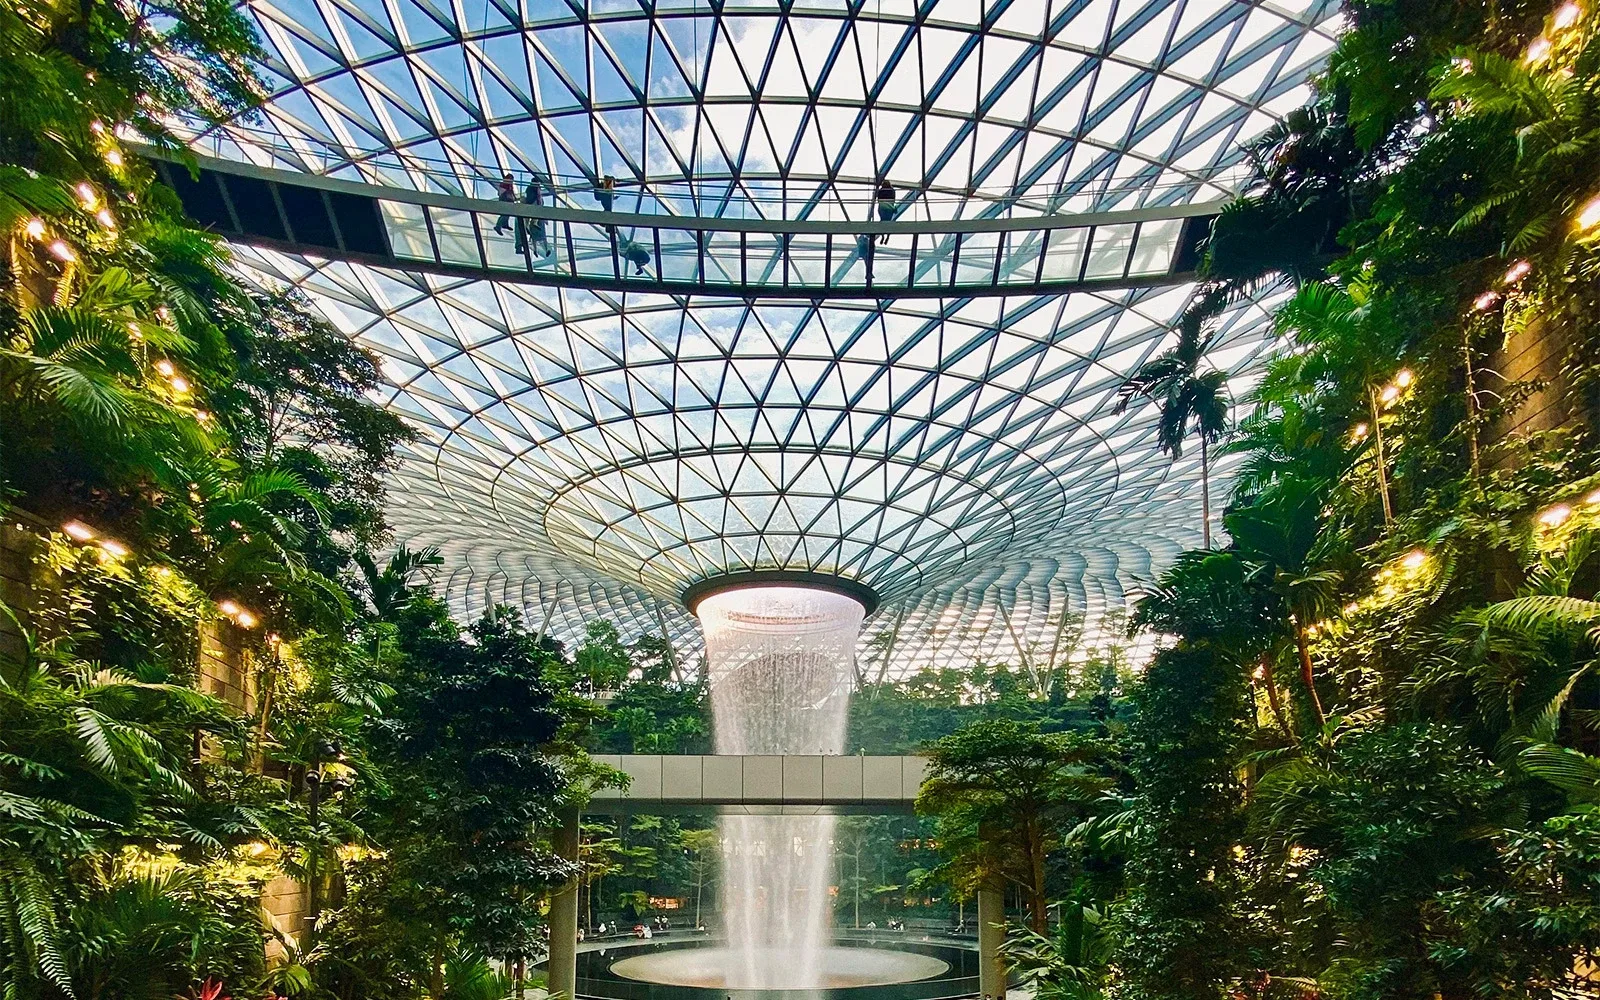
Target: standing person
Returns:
[[532, 195], [606, 192], [888, 205], [508, 192]]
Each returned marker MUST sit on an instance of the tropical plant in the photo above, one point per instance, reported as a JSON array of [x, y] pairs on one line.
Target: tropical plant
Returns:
[[1190, 401]]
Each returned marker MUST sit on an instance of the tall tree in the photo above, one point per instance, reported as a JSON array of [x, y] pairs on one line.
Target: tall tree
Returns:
[[1192, 400], [1006, 795]]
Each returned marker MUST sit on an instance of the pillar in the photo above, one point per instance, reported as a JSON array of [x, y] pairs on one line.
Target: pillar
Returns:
[[991, 934], [563, 967]]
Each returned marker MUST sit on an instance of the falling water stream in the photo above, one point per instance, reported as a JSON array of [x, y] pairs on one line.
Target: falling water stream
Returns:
[[780, 664]]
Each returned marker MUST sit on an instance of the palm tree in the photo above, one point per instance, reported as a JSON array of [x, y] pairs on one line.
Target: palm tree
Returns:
[[390, 588], [1190, 400]]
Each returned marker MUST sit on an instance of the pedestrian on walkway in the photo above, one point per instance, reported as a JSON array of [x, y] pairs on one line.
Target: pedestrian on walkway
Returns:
[[508, 192]]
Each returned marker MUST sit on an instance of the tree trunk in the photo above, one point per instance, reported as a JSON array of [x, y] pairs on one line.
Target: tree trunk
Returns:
[[1271, 682], [1306, 675], [1038, 912], [1205, 491], [436, 974], [1383, 470]]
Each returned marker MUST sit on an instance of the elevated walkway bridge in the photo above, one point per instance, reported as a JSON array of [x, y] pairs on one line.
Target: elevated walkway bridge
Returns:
[[792, 784], [456, 235]]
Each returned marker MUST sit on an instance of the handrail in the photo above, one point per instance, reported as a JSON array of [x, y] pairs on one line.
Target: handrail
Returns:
[[487, 206], [748, 191]]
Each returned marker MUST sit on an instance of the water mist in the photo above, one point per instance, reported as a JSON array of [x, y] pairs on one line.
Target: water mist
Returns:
[[780, 661]]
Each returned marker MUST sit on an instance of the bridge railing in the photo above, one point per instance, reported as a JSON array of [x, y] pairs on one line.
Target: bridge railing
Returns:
[[750, 196]]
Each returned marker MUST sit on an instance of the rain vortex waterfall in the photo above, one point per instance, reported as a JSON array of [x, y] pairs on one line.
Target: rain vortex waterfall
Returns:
[[780, 661]]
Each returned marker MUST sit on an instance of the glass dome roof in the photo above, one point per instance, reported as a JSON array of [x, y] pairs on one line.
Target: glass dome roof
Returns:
[[589, 454]]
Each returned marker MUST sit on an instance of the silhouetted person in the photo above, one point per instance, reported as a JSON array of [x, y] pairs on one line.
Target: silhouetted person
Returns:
[[508, 192], [865, 248], [888, 205], [532, 195], [635, 254], [606, 192]]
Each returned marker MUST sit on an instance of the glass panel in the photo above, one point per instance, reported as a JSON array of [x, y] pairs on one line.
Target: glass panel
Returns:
[[723, 256], [592, 247], [850, 256], [1158, 242], [933, 260], [976, 264], [501, 248], [637, 249], [806, 260], [763, 260], [892, 261], [680, 255], [1019, 265], [1063, 258], [458, 242], [1109, 254], [408, 230]]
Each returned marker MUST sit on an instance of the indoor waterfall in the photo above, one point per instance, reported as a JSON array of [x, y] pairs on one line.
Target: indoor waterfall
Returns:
[[780, 661]]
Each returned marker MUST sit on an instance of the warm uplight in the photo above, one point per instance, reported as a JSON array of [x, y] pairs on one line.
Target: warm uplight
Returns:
[[1593, 498], [114, 158], [1518, 271], [1589, 215], [1351, 608], [257, 848], [1485, 301], [1404, 377], [203, 416], [163, 572], [1259, 673], [1389, 394], [1555, 516], [105, 218], [165, 368], [97, 126], [1538, 50], [1359, 432], [1566, 16], [180, 384], [62, 252], [1414, 559], [87, 195], [34, 229], [228, 608], [112, 547], [245, 619], [78, 530]]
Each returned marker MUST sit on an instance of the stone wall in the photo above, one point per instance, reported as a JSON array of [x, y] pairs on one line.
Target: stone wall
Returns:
[[227, 668], [285, 904], [1532, 355]]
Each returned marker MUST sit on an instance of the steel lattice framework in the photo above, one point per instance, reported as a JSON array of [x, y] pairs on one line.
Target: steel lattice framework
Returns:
[[588, 454]]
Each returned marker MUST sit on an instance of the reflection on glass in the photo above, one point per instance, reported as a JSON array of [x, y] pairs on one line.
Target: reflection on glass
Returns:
[[1108, 256], [457, 239], [408, 230], [1158, 243]]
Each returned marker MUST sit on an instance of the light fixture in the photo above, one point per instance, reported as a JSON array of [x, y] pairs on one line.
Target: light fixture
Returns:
[[1589, 215], [1485, 301], [85, 192], [203, 416], [1566, 15], [1389, 394], [1414, 559], [1351, 608], [1554, 517], [114, 158], [228, 608], [163, 572], [1538, 50], [63, 252], [1593, 498], [165, 368], [180, 384], [245, 619], [34, 229], [1518, 271], [78, 530], [112, 547], [1404, 377], [1359, 432], [105, 218], [96, 127]]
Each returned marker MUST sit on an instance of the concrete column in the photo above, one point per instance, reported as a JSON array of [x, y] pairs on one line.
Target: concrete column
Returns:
[[991, 933], [563, 968]]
